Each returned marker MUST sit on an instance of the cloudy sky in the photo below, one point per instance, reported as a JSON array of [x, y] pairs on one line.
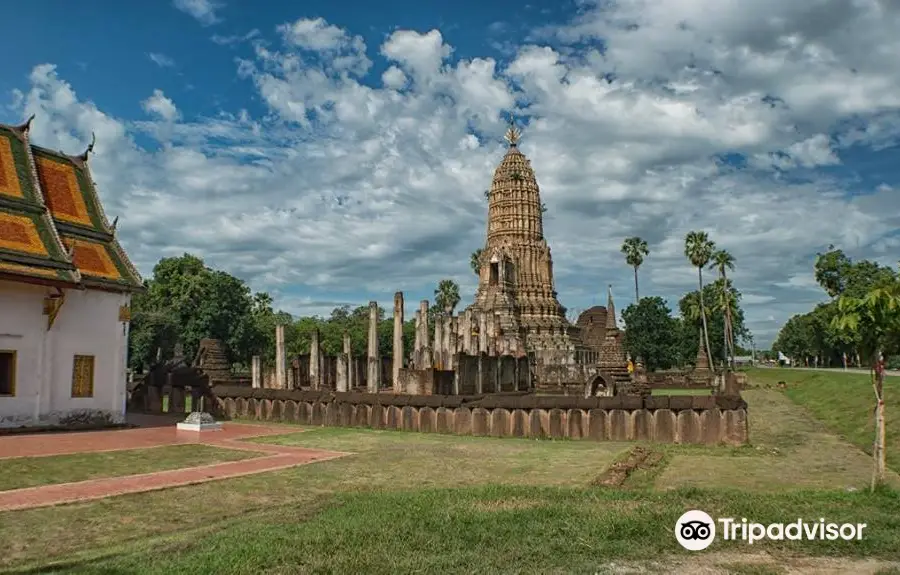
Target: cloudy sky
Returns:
[[331, 153]]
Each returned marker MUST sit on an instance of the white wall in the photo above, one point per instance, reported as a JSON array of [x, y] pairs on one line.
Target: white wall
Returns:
[[87, 324]]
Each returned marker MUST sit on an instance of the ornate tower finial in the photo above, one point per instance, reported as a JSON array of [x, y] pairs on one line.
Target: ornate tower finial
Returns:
[[513, 134]]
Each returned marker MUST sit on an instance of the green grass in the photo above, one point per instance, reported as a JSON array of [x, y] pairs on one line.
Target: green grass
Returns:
[[844, 402], [681, 391], [499, 529], [34, 471]]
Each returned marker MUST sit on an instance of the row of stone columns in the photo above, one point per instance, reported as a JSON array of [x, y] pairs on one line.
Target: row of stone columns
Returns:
[[479, 333]]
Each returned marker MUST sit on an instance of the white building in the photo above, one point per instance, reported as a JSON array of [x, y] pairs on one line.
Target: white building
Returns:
[[65, 291]]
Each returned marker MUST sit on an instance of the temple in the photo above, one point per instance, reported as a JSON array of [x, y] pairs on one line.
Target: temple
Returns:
[[65, 291], [515, 281]]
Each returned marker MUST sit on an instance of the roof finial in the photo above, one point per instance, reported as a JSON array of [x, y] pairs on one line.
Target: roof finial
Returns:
[[114, 224], [513, 134], [83, 157], [27, 125]]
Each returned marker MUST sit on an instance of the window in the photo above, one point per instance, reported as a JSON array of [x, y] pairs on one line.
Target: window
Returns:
[[7, 372], [83, 376], [495, 274]]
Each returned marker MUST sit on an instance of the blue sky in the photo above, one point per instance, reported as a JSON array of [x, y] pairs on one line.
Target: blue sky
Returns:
[[332, 153]]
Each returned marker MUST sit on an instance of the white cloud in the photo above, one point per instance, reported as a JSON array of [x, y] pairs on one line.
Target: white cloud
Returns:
[[161, 106], [204, 11], [346, 191], [161, 60]]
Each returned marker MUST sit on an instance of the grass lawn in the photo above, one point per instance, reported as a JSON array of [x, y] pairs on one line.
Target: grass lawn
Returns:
[[34, 471], [844, 402], [430, 503], [678, 391]]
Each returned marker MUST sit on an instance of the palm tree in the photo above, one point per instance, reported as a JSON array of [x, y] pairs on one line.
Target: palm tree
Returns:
[[446, 295], [698, 248], [723, 261], [475, 261], [635, 249], [875, 320]]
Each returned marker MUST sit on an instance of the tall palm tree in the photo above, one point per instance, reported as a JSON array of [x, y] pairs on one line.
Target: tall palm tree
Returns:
[[698, 248], [446, 295], [475, 261], [723, 261], [635, 249]]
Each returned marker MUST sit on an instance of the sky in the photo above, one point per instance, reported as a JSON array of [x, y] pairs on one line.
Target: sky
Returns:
[[333, 153]]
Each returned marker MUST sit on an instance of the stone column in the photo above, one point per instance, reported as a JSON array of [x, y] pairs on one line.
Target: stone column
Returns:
[[466, 328], [426, 336], [448, 349], [341, 369], [374, 360], [315, 362], [348, 356], [482, 333], [438, 354], [417, 343], [398, 340], [452, 341], [255, 371], [280, 381]]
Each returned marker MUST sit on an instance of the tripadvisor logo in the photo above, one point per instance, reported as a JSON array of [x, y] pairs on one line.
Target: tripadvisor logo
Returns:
[[696, 530]]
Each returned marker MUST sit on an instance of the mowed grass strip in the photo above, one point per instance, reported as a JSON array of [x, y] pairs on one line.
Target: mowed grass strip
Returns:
[[497, 529], [843, 402], [20, 472]]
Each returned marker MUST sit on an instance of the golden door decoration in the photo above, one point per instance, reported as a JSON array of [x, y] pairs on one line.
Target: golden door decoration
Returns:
[[83, 376]]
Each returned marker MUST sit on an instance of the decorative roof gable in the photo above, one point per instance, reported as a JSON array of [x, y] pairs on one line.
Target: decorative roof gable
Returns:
[[29, 244], [51, 209]]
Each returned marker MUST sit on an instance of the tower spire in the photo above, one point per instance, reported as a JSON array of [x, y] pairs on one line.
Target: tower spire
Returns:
[[610, 310]]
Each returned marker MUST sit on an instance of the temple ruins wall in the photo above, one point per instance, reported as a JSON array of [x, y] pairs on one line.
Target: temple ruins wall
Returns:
[[708, 420]]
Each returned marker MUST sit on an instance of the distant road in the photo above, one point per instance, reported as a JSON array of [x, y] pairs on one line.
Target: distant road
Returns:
[[894, 373]]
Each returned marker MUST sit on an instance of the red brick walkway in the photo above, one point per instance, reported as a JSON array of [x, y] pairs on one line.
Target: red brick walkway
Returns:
[[231, 436]]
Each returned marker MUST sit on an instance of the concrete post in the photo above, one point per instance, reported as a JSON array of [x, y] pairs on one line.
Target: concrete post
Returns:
[[255, 375], [373, 382], [280, 380], [398, 341]]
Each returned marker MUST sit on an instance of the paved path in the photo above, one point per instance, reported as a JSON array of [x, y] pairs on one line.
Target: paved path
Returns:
[[272, 457]]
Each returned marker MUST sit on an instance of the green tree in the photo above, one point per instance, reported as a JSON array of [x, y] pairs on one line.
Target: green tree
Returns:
[[698, 249], [475, 261], [875, 317], [635, 249], [723, 261], [446, 296], [692, 321], [651, 333], [186, 301]]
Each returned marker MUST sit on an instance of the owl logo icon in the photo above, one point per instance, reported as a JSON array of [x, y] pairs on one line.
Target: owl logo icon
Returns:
[[695, 530]]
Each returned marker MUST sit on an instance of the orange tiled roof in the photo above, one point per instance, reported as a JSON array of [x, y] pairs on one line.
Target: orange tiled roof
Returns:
[[52, 225]]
